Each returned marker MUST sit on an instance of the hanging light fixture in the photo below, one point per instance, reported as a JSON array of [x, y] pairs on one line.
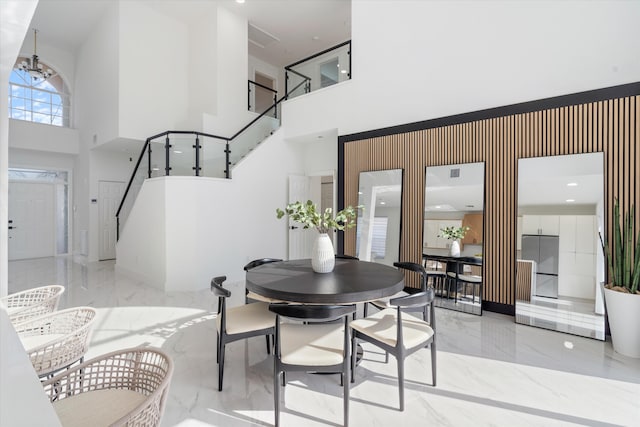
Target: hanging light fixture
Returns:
[[33, 66]]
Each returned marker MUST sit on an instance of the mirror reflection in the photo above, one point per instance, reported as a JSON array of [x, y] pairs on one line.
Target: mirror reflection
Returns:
[[560, 264], [453, 234], [378, 226]]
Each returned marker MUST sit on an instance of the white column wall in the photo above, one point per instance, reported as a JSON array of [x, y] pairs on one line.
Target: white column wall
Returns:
[[418, 60], [15, 17]]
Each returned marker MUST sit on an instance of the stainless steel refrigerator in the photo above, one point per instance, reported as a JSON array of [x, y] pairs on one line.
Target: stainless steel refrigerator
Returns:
[[544, 251]]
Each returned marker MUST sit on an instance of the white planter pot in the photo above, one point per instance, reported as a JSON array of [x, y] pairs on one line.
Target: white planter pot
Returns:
[[623, 311], [322, 255], [454, 250]]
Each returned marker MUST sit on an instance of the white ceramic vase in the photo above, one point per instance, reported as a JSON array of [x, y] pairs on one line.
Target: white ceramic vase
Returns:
[[623, 311], [322, 255], [454, 250]]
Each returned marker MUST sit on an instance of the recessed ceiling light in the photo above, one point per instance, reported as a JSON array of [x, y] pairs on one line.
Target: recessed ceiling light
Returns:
[[343, 71], [240, 1], [572, 184], [177, 151], [382, 202], [155, 169], [437, 207], [315, 38], [570, 200]]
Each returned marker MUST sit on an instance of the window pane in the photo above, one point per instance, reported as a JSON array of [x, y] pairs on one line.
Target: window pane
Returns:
[[38, 101]]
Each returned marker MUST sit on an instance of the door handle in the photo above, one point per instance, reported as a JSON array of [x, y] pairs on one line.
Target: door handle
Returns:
[[12, 227], [293, 227]]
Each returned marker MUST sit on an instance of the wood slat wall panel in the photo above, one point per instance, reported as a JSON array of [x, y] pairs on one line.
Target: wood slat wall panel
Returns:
[[611, 126]]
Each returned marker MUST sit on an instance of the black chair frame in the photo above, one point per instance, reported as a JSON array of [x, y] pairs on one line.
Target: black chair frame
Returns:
[[222, 337], [418, 300], [310, 314]]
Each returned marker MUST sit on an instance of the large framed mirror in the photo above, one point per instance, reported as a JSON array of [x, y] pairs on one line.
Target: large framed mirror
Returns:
[[454, 199], [379, 222], [560, 263]]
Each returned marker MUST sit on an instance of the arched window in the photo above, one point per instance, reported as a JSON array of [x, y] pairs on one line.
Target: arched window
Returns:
[[38, 100]]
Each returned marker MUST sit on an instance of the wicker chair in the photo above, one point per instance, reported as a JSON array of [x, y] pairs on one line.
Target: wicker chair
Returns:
[[57, 340], [123, 388], [24, 305]]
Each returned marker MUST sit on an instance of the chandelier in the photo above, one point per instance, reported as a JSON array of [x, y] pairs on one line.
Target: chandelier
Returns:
[[33, 66]]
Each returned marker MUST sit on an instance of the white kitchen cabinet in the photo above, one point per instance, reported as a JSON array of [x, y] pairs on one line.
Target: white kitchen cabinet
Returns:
[[541, 224], [432, 229], [577, 257], [586, 234]]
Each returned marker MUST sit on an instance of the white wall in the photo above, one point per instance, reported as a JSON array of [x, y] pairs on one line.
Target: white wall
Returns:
[[141, 249], [418, 60], [38, 136], [277, 73], [156, 98], [15, 17]]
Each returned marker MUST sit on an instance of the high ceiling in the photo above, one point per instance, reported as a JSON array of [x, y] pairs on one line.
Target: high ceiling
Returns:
[[289, 30]]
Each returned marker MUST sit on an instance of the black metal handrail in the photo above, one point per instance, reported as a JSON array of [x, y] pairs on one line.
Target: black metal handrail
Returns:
[[306, 79], [146, 150], [275, 94]]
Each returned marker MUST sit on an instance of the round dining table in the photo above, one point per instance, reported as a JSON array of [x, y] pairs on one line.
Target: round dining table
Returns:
[[350, 282]]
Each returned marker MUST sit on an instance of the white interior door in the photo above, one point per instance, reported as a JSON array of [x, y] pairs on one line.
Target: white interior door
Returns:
[[109, 197], [298, 237], [31, 220]]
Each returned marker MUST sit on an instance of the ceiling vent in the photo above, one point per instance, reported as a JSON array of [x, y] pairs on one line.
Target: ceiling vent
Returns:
[[454, 173], [260, 37]]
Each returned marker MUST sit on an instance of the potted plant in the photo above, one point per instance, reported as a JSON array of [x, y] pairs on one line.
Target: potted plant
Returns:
[[307, 214], [622, 297], [455, 234]]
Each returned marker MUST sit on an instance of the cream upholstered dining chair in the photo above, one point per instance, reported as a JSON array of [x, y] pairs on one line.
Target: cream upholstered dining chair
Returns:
[[57, 340], [237, 323], [251, 296], [32, 302], [383, 303], [302, 345], [122, 388], [399, 333]]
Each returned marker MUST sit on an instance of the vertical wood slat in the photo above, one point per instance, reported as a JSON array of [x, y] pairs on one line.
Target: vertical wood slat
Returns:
[[611, 126]]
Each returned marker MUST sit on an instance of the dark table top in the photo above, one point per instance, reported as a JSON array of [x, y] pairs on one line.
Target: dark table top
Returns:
[[460, 260], [351, 281]]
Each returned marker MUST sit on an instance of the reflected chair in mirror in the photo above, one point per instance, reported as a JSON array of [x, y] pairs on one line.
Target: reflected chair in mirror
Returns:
[[238, 323], [462, 281], [436, 272], [122, 388], [383, 303], [399, 333], [33, 302], [250, 296], [57, 340], [306, 346]]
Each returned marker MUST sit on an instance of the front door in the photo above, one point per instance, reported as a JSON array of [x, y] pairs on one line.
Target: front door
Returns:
[[31, 220]]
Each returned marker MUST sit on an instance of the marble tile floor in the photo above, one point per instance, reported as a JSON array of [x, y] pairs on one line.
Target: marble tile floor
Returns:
[[570, 315], [491, 371]]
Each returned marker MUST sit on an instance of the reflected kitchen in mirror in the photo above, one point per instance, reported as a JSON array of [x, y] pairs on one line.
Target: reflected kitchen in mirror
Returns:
[[378, 226], [454, 200], [560, 263]]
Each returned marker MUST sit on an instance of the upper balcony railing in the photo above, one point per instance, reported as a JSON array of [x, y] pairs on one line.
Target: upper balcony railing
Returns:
[[320, 70]]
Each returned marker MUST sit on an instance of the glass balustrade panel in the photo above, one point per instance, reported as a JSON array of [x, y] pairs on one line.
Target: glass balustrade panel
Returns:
[[212, 157], [182, 155], [158, 159], [320, 71], [251, 137]]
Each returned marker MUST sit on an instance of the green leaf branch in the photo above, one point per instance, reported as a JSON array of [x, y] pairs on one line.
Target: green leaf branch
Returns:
[[454, 233], [309, 216]]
